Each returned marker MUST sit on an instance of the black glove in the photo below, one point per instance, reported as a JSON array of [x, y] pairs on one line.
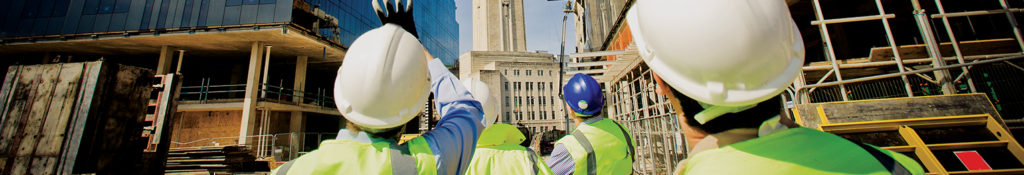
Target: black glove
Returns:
[[396, 12]]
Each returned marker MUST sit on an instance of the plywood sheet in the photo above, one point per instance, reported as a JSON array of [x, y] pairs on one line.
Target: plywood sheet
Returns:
[[897, 108]]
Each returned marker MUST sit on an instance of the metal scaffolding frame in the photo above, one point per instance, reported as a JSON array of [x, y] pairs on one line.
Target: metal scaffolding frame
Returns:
[[650, 119], [942, 77], [652, 122]]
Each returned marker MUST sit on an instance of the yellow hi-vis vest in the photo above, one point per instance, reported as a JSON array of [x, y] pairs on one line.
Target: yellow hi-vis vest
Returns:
[[353, 157], [797, 151], [498, 152], [600, 146]]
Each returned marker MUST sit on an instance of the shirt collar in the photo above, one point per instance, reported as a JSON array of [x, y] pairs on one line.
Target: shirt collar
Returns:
[[593, 119], [345, 134]]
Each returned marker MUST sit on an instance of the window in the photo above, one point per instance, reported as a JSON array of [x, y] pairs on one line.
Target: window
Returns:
[[551, 85], [506, 100], [541, 73], [528, 72], [122, 6], [506, 86], [506, 71], [529, 85], [107, 6], [517, 72], [233, 2], [90, 7]]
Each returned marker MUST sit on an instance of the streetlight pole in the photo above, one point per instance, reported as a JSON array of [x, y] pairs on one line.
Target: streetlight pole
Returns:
[[561, 64]]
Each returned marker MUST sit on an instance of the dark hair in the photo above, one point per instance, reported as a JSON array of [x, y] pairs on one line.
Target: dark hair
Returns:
[[750, 118]]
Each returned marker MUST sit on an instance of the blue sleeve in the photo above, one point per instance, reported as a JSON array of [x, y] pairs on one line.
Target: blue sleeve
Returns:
[[454, 138], [561, 162]]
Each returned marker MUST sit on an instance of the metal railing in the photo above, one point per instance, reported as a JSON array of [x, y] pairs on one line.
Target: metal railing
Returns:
[[205, 92], [799, 91]]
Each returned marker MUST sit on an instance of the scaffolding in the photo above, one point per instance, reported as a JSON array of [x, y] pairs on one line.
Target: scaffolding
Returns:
[[942, 81], [650, 120], [890, 71]]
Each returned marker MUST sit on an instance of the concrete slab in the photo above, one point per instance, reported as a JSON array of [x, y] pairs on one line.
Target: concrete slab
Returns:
[[287, 41]]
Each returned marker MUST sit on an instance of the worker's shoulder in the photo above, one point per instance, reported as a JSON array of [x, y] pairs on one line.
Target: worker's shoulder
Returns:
[[796, 150]]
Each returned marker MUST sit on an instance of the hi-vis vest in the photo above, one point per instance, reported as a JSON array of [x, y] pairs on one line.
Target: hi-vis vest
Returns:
[[600, 146], [498, 152], [798, 151], [353, 157]]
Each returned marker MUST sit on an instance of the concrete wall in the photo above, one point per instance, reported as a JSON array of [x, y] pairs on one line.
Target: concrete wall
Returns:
[[192, 126]]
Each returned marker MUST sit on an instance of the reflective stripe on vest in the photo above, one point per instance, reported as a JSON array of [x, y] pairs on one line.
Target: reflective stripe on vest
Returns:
[[591, 159], [585, 153], [420, 155], [533, 160], [629, 141]]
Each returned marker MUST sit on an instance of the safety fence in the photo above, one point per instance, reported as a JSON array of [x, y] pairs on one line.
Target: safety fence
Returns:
[[205, 92], [652, 122]]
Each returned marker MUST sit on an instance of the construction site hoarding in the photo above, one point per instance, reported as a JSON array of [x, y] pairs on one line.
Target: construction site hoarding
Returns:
[[73, 118]]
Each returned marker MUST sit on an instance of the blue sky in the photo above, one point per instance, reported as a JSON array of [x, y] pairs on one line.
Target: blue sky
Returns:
[[543, 22]]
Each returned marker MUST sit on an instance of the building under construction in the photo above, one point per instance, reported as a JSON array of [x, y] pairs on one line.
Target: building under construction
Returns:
[[867, 62], [254, 73]]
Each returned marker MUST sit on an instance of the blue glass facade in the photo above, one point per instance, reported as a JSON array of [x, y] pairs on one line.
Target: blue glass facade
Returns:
[[52, 17], [435, 19], [435, 23]]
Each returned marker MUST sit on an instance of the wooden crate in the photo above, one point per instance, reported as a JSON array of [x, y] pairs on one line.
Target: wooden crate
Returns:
[[73, 118]]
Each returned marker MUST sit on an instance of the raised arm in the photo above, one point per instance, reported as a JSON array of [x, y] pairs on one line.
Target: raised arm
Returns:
[[454, 138]]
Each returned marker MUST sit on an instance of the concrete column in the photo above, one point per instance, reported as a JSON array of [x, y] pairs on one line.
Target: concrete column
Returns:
[[300, 76], [252, 86], [298, 121], [181, 57], [163, 66]]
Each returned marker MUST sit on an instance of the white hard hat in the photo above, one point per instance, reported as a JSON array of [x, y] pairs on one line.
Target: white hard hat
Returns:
[[733, 53], [383, 81], [481, 92]]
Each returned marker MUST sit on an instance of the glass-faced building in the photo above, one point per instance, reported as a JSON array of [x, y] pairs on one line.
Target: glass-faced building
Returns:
[[250, 68], [435, 20]]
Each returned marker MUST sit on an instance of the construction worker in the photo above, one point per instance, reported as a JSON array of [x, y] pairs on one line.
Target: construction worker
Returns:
[[381, 85], [598, 145], [722, 65], [498, 150]]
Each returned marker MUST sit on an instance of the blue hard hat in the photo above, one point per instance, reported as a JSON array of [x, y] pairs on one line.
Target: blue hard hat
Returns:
[[583, 94]]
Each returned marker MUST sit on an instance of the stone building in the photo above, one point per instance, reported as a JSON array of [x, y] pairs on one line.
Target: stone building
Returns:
[[526, 84]]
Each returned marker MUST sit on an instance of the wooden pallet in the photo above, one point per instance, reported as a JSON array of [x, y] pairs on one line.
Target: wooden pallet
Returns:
[[932, 141]]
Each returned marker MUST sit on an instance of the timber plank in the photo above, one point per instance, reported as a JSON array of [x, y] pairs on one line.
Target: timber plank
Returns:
[[64, 95], [896, 108], [975, 47], [38, 118]]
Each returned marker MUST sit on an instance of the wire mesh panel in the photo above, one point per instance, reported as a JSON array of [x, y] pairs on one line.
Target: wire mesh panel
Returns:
[[650, 119]]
